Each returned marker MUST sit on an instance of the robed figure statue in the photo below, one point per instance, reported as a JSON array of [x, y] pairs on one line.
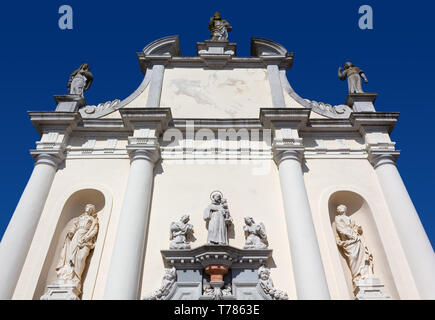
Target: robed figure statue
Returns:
[[218, 217], [79, 241], [80, 80], [353, 75], [351, 242]]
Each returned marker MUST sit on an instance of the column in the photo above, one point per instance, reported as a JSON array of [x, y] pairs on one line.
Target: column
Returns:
[[415, 243], [275, 86], [19, 233], [126, 265], [307, 263], [156, 84]]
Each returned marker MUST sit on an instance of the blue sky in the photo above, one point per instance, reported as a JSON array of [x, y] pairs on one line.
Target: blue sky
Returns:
[[397, 56]]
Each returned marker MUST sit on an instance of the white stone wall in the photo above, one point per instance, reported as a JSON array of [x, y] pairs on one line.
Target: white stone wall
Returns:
[[186, 188]]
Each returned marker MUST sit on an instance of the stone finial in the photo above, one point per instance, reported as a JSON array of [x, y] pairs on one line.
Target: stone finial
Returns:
[[219, 28], [353, 75]]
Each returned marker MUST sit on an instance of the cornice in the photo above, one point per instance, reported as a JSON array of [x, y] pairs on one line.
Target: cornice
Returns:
[[42, 120]]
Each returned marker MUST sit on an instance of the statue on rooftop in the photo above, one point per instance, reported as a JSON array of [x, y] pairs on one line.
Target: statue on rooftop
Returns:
[[353, 75], [219, 28], [80, 80]]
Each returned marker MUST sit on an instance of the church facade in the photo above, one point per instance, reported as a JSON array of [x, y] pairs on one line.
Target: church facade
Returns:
[[211, 179]]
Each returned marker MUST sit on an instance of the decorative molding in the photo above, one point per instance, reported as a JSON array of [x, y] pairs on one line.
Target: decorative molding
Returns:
[[271, 52], [112, 108], [228, 256], [324, 109]]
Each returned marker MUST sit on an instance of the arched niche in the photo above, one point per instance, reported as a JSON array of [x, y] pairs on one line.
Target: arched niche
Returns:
[[359, 211], [73, 207]]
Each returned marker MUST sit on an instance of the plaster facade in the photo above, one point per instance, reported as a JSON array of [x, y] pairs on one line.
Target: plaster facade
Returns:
[[214, 122]]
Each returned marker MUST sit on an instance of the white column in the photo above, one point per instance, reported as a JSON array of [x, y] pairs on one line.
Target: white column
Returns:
[[126, 265], [307, 263], [415, 243], [19, 234]]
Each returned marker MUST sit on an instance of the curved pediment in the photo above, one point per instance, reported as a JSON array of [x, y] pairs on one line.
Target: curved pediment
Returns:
[[164, 46], [264, 47]]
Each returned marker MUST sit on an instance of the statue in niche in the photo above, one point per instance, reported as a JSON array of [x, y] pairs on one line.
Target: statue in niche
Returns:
[[80, 80], [266, 284], [353, 75], [351, 242], [218, 217], [219, 28], [79, 241], [255, 235], [181, 234], [167, 283]]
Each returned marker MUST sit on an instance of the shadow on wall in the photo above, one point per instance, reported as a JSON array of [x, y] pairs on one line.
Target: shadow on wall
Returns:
[[360, 212], [72, 208]]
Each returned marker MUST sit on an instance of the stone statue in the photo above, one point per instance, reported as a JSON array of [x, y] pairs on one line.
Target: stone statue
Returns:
[[266, 284], [218, 217], [167, 283], [181, 234], [353, 75], [79, 241], [217, 293], [255, 235], [80, 80], [350, 241], [219, 28]]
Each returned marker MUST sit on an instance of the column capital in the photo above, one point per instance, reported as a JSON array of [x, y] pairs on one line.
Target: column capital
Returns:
[[381, 157], [141, 152], [287, 153], [53, 157]]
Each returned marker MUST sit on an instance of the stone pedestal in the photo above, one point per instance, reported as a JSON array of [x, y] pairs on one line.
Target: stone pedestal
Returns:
[[361, 102], [370, 289], [216, 53], [213, 47], [69, 102], [61, 290]]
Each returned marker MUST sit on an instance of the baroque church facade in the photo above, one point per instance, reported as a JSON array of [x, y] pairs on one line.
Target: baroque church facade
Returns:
[[211, 179]]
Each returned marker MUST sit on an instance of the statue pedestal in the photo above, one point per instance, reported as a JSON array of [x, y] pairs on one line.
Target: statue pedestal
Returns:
[[61, 290], [69, 102], [370, 289], [216, 53], [216, 47], [361, 102]]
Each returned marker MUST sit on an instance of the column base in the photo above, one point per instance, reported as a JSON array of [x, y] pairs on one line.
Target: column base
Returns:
[[61, 290], [370, 289]]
